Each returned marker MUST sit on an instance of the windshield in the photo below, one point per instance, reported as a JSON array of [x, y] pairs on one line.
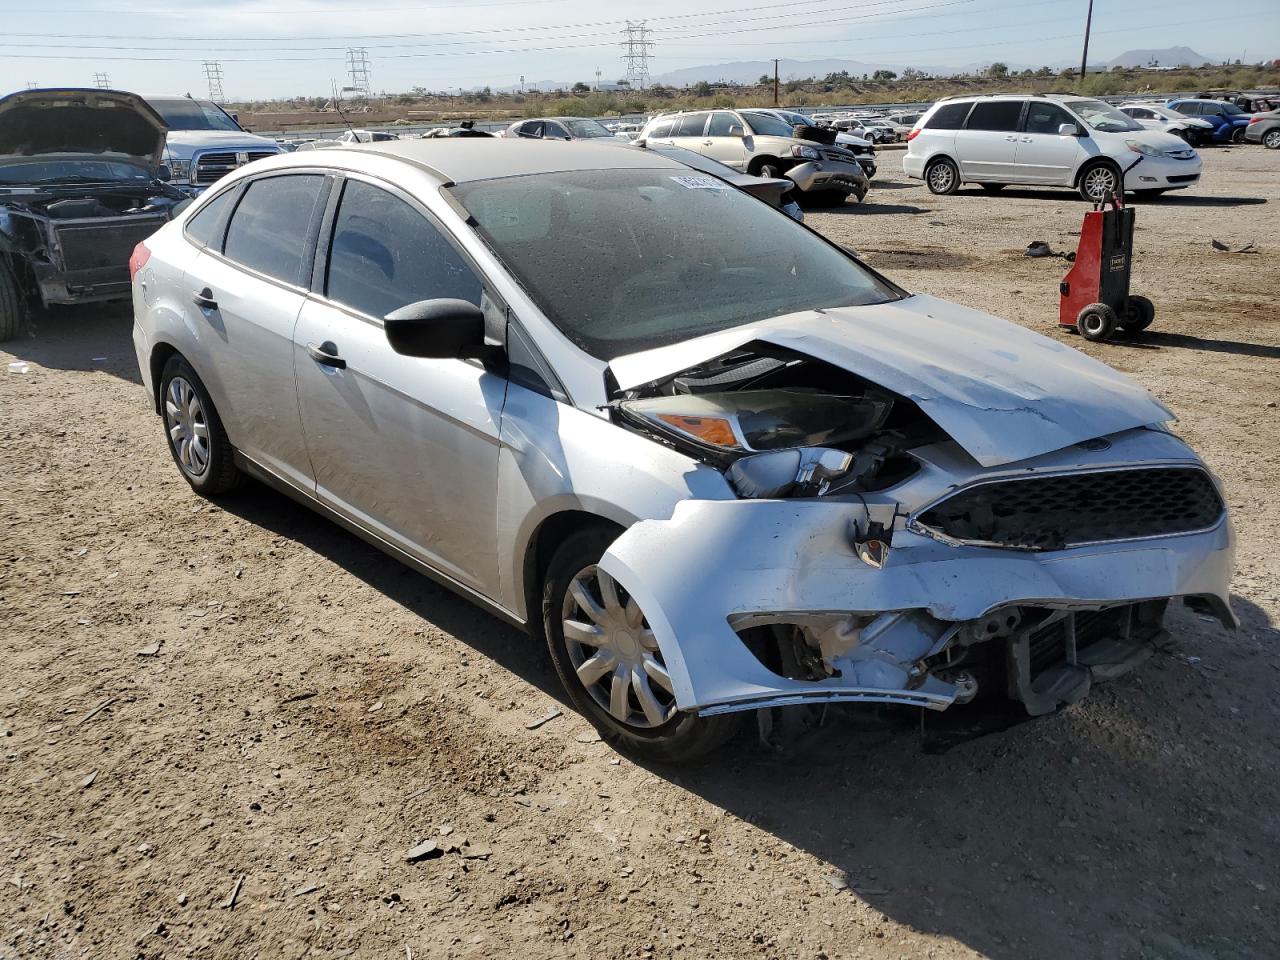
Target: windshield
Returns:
[[1103, 117], [183, 114], [71, 171], [585, 129], [766, 125], [628, 260]]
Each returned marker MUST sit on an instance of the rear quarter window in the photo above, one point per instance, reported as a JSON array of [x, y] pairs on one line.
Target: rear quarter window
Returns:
[[948, 117], [204, 226]]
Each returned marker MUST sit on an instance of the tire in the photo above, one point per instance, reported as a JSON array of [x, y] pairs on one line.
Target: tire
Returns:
[[1099, 179], [1096, 322], [942, 177], [1139, 312], [12, 312], [1192, 137], [186, 411], [680, 736], [1237, 135], [767, 167], [1271, 139], [993, 187]]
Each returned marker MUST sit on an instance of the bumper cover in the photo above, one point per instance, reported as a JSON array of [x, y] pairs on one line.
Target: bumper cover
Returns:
[[829, 175]]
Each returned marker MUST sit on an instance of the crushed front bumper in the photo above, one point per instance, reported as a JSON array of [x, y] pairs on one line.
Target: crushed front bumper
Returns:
[[819, 175], [719, 567]]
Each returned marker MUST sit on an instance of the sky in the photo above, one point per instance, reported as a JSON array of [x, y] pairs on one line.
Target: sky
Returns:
[[282, 48]]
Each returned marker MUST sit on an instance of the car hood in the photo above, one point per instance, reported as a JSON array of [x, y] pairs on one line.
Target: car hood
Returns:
[[72, 122], [1001, 392], [187, 141]]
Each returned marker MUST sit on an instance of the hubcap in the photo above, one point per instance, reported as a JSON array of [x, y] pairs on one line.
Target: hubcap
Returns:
[[188, 429], [1273, 139], [1099, 182], [940, 177], [614, 652]]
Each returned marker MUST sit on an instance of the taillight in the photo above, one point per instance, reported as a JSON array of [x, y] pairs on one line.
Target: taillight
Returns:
[[913, 134], [138, 259], [1255, 119]]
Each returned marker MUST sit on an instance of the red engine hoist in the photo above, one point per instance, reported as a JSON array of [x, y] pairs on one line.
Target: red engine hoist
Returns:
[[1095, 298]]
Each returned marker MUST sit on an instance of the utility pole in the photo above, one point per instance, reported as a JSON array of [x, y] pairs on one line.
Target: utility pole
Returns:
[[775, 83], [102, 81], [358, 70], [1084, 57], [597, 79], [213, 75]]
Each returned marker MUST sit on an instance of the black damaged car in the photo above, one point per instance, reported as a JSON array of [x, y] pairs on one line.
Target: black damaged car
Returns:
[[80, 186]]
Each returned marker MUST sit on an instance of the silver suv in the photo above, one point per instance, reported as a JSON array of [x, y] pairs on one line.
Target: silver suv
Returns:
[[760, 143]]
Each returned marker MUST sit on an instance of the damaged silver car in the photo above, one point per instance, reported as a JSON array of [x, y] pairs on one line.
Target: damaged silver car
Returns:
[[80, 185], [714, 460]]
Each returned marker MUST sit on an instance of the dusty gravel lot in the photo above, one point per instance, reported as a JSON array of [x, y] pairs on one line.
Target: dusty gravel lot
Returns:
[[202, 699]]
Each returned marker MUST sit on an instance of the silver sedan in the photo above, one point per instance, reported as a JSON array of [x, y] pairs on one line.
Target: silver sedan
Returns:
[[712, 459]]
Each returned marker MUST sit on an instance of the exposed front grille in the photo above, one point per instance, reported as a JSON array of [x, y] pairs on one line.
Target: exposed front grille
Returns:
[[1051, 513], [211, 167], [1048, 645]]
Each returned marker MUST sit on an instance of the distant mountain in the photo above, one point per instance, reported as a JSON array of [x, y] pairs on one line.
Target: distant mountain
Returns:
[[1166, 57]]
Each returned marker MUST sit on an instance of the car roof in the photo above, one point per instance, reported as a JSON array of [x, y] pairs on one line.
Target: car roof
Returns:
[[465, 159]]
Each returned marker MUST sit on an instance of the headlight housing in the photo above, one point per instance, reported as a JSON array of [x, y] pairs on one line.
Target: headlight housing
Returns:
[[806, 153], [1145, 149], [179, 169]]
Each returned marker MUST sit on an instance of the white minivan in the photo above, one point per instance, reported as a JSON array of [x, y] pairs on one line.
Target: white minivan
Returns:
[[1051, 140]]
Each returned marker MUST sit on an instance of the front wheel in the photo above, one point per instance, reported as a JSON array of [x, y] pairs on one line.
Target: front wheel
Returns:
[[609, 662], [1096, 322], [1100, 181], [197, 440], [1271, 139], [770, 171], [1237, 135], [942, 177]]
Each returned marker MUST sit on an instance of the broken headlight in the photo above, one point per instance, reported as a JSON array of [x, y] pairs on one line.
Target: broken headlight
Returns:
[[729, 425]]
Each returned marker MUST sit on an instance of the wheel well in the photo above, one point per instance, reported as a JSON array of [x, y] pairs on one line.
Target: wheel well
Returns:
[[1097, 162], [159, 357], [941, 156], [756, 163], [542, 547]]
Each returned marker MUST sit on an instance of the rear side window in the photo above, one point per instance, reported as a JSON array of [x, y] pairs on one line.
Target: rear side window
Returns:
[[385, 254], [995, 115], [204, 226], [270, 228], [691, 125], [949, 117]]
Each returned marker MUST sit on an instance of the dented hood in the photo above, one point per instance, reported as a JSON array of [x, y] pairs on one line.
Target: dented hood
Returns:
[[1001, 392], [77, 123]]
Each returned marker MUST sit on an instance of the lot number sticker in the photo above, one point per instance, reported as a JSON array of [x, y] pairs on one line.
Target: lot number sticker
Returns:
[[701, 183]]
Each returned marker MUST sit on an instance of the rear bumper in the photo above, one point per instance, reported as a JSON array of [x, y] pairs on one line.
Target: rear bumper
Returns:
[[1254, 132], [913, 165], [818, 175]]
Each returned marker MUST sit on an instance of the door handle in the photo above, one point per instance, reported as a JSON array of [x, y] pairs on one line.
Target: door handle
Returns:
[[707, 143], [1013, 138], [204, 299], [326, 355]]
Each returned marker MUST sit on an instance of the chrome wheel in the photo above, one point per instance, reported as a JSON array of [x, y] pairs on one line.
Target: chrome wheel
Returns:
[[941, 177], [184, 418], [1100, 181], [614, 652], [1271, 140]]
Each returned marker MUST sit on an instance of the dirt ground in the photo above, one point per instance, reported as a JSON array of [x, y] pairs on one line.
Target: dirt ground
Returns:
[[224, 725]]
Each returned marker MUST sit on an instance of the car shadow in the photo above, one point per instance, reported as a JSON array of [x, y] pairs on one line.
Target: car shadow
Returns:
[[871, 207], [95, 336], [1155, 339], [996, 843], [1184, 200]]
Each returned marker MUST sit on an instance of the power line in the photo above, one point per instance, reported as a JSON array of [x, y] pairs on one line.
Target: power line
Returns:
[[213, 76], [636, 58]]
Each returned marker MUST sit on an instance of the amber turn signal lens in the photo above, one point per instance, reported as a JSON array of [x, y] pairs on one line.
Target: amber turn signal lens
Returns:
[[713, 430]]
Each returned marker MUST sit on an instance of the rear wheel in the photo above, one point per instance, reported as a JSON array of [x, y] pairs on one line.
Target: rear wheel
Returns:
[[1139, 312], [609, 661], [942, 177], [197, 440], [1099, 180], [1271, 139], [1237, 135], [11, 306], [1096, 322]]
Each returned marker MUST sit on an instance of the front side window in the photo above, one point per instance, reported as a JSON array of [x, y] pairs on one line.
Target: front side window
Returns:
[[1103, 117], [202, 227], [271, 225], [766, 125], [1230, 110], [553, 130], [999, 115], [626, 260], [949, 117], [720, 124], [1046, 118], [385, 254]]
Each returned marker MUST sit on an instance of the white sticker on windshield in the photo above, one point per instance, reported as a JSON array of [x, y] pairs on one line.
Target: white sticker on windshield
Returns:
[[702, 183]]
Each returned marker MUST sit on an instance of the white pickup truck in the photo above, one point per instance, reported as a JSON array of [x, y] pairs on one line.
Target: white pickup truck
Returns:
[[204, 142]]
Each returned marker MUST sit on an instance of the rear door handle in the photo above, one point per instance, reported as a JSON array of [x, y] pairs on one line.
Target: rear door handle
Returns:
[[1014, 139], [708, 143], [326, 355], [204, 299]]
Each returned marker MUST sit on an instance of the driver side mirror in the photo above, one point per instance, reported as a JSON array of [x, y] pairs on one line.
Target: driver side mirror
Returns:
[[736, 130], [1068, 130], [440, 329]]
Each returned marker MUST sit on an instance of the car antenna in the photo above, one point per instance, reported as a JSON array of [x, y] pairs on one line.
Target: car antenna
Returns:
[[337, 105]]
